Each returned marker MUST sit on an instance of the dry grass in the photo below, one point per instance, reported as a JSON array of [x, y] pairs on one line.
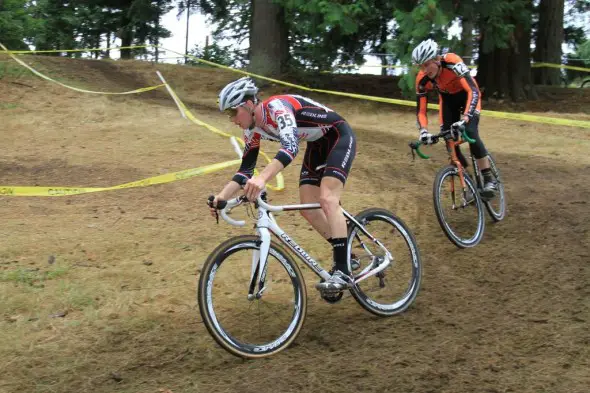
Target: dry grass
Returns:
[[116, 310]]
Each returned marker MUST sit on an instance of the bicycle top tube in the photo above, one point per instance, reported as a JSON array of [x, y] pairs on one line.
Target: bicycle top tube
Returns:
[[262, 204]]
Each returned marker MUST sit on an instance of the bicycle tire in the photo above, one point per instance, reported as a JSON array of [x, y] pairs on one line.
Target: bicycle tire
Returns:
[[205, 298], [410, 293], [451, 170], [500, 195]]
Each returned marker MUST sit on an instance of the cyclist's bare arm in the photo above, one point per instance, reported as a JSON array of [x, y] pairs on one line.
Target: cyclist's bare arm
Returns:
[[272, 170], [249, 158], [230, 190]]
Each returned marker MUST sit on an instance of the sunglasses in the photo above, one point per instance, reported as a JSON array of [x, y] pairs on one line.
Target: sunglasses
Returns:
[[233, 111]]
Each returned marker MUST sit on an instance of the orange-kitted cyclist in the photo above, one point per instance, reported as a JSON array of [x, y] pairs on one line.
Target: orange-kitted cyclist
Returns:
[[459, 101]]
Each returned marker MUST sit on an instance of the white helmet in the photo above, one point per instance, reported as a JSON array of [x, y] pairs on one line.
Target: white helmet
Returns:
[[424, 52], [233, 94]]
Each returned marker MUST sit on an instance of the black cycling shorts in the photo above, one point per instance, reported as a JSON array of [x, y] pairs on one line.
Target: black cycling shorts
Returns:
[[331, 155]]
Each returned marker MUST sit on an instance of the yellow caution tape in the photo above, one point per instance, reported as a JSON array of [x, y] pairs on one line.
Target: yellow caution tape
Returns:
[[550, 65], [279, 178], [170, 177], [79, 50], [166, 178], [141, 90], [496, 114], [533, 65], [500, 115]]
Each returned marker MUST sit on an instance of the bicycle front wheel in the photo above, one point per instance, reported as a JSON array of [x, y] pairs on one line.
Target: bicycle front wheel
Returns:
[[496, 206], [392, 290], [460, 216], [263, 323]]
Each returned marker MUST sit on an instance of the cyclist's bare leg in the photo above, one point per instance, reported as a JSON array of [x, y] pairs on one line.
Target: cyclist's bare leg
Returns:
[[483, 163], [330, 191], [317, 217]]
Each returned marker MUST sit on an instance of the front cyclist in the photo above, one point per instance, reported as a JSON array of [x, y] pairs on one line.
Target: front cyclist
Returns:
[[460, 101], [331, 148]]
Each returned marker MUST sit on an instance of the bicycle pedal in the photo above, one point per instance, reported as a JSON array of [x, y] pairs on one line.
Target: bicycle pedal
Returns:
[[487, 195]]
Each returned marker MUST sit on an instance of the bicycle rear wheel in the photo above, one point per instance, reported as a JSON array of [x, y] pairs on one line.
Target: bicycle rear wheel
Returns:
[[496, 206], [395, 288], [461, 219], [255, 326]]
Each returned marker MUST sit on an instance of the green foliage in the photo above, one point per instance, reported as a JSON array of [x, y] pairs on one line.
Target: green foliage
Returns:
[[326, 34], [584, 51], [428, 19], [215, 53], [231, 16], [16, 23], [581, 58], [56, 25], [499, 18]]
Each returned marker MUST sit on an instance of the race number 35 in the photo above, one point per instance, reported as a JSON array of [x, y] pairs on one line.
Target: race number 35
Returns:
[[285, 121]]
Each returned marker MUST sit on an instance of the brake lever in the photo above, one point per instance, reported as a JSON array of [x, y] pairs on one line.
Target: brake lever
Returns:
[[210, 204]]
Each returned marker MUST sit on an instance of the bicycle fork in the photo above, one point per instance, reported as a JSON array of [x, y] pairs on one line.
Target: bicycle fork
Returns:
[[259, 263]]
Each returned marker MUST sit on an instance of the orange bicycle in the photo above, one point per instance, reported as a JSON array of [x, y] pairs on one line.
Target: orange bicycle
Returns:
[[459, 210]]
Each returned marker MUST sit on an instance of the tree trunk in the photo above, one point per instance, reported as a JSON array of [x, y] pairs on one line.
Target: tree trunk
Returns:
[[549, 40], [126, 35], [382, 49], [467, 40], [97, 45], [522, 87], [108, 52], [269, 46], [188, 17], [157, 38], [506, 72]]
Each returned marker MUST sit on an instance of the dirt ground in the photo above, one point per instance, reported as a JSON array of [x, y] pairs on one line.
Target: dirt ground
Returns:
[[97, 291]]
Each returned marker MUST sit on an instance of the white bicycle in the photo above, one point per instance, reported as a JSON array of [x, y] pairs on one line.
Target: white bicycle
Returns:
[[252, 295]]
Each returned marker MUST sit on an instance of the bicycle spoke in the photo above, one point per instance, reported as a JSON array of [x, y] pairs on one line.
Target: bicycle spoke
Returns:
[[249, 329]]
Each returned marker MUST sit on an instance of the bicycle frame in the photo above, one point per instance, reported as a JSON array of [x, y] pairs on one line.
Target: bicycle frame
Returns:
[[266, 224], [451, 148], [451, 145]]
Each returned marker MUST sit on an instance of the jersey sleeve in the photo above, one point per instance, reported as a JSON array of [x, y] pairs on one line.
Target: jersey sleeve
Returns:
[[423, 85], [249, 158], [284, 118]]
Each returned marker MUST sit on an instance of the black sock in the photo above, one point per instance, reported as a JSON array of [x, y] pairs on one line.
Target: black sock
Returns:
[[340, 257], [487, 175]]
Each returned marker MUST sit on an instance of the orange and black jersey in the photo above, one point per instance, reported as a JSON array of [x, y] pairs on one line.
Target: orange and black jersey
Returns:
[[453, 78]]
